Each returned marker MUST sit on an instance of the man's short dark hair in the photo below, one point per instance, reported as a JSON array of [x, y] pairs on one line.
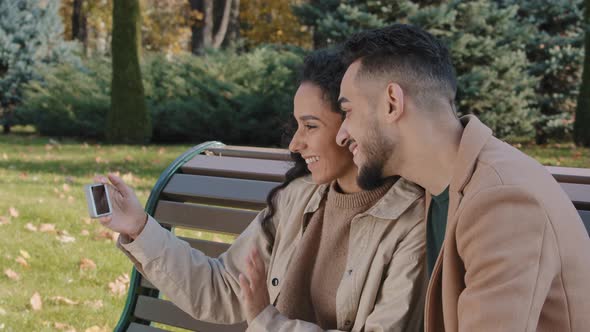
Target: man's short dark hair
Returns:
[[407, 55]]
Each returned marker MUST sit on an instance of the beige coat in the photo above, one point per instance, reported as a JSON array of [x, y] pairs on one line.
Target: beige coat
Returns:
[[378, 292], [516, 256]]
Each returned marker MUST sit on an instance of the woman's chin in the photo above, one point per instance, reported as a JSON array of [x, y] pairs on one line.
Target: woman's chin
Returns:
[[320, 178]]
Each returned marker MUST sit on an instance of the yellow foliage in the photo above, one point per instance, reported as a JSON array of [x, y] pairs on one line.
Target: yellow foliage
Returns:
[[165, 24], [272, 21]]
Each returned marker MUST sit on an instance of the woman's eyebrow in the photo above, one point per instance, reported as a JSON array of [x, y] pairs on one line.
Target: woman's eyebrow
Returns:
[[310, 117]]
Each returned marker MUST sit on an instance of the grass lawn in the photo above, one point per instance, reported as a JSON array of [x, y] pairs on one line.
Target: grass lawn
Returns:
[[51, 248]]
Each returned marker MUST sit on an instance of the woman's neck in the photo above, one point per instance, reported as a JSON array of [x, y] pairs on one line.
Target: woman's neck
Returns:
[[348, 183]]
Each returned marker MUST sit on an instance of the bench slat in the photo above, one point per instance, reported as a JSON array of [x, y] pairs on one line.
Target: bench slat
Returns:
[[579, 194], [166, 312], [251, 152], [134, 327], [207, 217], [570, 174], [233, 167], [237, 193]]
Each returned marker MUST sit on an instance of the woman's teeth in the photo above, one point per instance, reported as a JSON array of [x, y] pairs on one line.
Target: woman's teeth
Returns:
[[311, 160]]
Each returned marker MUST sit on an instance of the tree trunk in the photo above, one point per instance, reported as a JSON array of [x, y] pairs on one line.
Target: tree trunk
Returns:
[[222, 31], [582, 121], [197, 28], [209, 23], [233, 32], [128, 120], [79, 24]]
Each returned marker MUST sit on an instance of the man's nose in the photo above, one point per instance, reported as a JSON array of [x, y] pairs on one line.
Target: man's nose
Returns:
[[342, 137]]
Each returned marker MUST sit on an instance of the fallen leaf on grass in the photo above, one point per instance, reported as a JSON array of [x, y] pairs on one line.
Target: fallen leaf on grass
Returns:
[[96, 329], [87, 220], [4, 220], [63, 300], [84, 232], [119, 286], [11, 274], [107, 235], [87, 264], [66, 187], [23, 175], [97, 304], [22, 261], [31, 227], [47, 228], [2, 312], [4, 156], [13, 212], [128, 178], [66, 238], [36, 302], [71, 199], [24, 254], [64, 327]]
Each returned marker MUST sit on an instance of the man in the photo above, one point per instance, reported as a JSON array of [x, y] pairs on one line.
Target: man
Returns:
[[506, 249]]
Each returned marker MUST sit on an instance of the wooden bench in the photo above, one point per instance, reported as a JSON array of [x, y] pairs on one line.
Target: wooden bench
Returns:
[[219, 188]]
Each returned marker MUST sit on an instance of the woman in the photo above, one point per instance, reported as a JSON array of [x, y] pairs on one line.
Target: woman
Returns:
[[324, 255]]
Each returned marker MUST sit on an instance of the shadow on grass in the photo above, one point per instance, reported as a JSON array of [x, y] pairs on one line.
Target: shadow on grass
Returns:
[[84, 168]]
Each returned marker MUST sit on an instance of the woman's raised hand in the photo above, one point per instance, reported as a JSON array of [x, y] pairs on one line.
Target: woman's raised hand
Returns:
[[128, 216]]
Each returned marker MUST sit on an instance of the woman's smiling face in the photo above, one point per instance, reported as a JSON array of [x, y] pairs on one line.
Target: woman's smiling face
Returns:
[[315, 138]]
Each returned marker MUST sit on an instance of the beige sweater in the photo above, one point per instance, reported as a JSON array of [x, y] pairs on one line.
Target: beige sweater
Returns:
[[309, 290]]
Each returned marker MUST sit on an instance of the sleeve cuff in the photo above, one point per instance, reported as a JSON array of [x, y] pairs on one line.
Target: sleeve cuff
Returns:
[[149, 244]]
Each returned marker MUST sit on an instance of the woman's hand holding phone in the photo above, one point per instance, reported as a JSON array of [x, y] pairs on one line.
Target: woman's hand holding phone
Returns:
[[128, 216]]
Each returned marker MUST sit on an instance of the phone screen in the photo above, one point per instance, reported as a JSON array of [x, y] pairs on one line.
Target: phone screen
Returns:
[[100, 199]]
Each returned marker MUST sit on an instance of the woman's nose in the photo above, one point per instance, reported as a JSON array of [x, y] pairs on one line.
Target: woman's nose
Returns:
[[296, 144]]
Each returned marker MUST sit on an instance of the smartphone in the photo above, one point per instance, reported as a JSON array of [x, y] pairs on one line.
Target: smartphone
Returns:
[[99, 203]]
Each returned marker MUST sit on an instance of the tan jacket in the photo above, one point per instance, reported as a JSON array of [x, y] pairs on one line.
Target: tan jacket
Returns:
[[378, 292], [516, 256]]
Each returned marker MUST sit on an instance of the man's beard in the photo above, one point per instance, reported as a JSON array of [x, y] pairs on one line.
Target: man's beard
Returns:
[[371, 174]]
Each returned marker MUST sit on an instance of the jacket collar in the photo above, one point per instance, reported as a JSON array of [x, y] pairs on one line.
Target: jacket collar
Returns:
[[475, 136], [398, 199]]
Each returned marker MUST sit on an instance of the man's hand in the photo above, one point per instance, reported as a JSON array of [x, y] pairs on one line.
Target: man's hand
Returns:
[[128, 216], [253, 285]]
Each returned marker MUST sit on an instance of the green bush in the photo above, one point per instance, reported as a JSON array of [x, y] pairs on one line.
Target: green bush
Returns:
[[235, 98], [69, 101]]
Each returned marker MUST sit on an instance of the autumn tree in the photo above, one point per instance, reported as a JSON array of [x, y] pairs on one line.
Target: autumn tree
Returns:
[[210, 22], [272, 21]]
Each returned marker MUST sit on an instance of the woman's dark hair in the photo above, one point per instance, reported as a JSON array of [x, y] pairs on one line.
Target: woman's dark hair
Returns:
[[323, 68]]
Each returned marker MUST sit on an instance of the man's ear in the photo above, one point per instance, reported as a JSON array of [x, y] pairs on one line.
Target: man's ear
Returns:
[[395, 101]]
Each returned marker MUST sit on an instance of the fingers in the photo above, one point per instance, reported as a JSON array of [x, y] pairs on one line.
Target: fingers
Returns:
[[101, 179], [105, 221], [258, 262], [245, 287], [119, 184]]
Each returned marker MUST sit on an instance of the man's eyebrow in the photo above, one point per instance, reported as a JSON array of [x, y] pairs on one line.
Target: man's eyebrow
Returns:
[[310, 117]]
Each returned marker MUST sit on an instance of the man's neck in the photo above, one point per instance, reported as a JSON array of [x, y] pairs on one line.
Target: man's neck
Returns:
[[431, 159]]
